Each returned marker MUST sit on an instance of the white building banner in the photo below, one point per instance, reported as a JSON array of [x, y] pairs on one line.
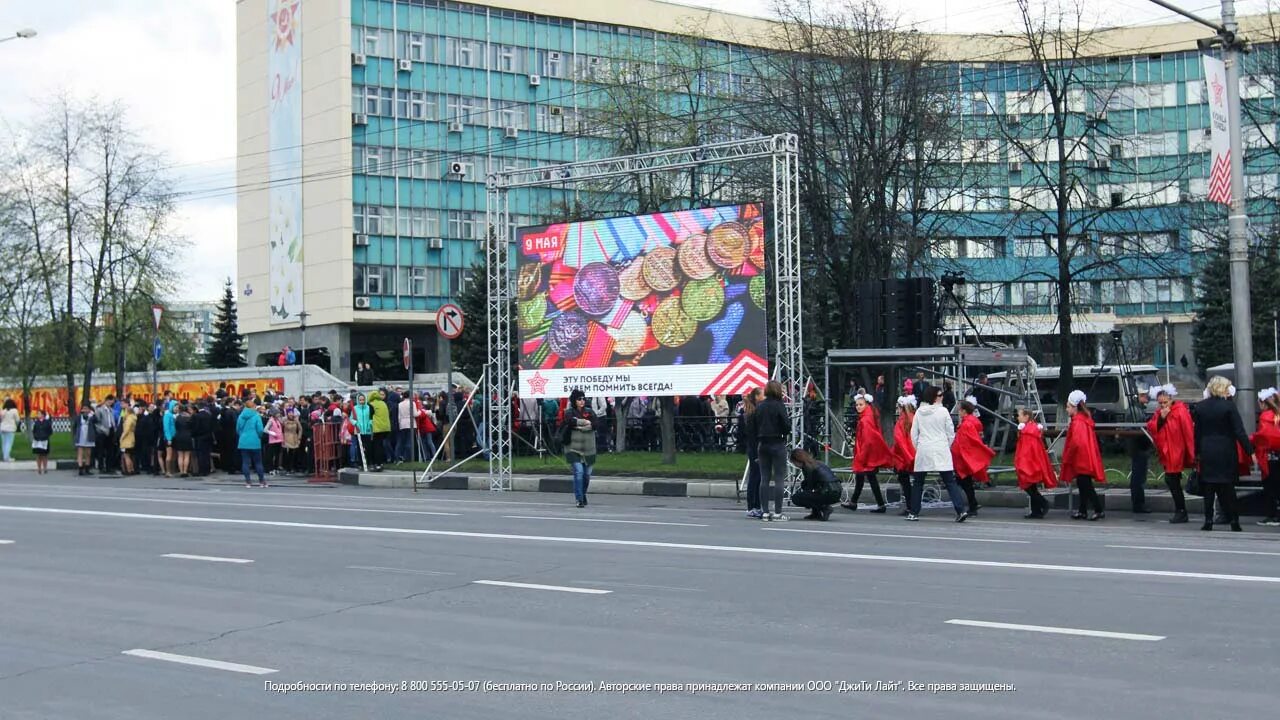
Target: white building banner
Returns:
[[1215, 78], [284, 159]]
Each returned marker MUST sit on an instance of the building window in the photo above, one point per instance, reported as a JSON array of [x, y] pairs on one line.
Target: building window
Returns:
[[374, 280], [1034, 246], [417, 47], [358, 219]]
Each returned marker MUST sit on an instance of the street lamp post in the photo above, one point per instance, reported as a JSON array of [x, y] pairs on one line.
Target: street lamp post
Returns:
[[302, 325]]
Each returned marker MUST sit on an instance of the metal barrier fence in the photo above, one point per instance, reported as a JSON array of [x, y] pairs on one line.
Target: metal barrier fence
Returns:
[[327, 448], [708, 434]]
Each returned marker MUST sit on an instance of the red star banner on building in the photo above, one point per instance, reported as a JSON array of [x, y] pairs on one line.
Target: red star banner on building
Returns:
[[1215, 78]]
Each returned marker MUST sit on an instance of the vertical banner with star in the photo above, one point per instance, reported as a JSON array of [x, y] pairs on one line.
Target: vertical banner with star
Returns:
[[284, 160], [1215, 79]]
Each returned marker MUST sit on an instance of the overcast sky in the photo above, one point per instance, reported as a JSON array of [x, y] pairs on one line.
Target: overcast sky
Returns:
[[172, 62]]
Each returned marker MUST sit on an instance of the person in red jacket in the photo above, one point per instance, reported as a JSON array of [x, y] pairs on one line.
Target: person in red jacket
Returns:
[[969, 454], [1031, 463], [904, 452], [1266, 447], [1174, 436], [1081, 458], [870, 453]]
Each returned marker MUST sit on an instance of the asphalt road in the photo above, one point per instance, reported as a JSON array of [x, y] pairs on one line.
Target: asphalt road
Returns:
[[245, 593]]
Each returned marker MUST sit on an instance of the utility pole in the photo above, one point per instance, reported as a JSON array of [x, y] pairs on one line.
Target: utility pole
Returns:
[[302, 325], [1237, 218]]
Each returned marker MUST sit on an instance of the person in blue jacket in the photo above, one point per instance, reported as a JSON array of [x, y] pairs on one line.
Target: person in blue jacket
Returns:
[[169, 424], [249, 430]]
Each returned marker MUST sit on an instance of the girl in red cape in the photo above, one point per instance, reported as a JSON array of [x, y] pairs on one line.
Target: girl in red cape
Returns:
[[1266, 444], [1031, 463], [969, 454], [904, 452], [870, 453], [1175, 439], [1081, 458]]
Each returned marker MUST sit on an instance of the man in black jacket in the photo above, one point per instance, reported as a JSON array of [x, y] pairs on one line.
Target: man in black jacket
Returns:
[[228, 439], [203, 428], [144, 439]]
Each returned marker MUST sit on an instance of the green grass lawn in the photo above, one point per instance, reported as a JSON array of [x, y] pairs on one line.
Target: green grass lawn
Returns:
[[60, 447], [717, 466], [708, 466]]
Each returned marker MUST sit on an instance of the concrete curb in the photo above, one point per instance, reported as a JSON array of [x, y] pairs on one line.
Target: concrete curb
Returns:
[[1062, 499]]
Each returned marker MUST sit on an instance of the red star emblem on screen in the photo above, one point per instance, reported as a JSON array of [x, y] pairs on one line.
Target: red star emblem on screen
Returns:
[[1218, 90], [538, 384]]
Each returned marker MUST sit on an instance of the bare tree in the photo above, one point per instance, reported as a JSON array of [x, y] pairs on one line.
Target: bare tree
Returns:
[[1075, 180], [883, 171]]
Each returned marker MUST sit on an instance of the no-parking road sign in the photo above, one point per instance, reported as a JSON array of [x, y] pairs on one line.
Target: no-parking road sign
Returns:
[[449, 321]]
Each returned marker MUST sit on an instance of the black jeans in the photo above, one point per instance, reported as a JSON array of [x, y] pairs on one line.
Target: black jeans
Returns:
[[1271, 488], [1038, 504], [204, 455], [904, 484], [966, 484], [773, 467], [753, 483], [379, 444], [1226, 493], [1174, 483], [859, 479], [1138, 463], [1088, 494], [948, 478]]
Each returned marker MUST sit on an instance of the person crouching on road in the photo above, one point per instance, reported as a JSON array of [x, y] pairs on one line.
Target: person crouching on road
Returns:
[[969, 454], [870, 453], [819, 489], [1031, 463], [904, 452], [932, 433], [1081, 458], [578, 432], [1175, 440]]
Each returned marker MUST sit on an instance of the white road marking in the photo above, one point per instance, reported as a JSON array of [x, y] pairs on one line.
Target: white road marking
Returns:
[[1193, 550], [207, 558], [890, 535], [280, 491], [407, 571], [6, 542], [656, 544], [1058, 630], [534, 586], [200, 662], [255, 505], [635, 585], [600, 520]]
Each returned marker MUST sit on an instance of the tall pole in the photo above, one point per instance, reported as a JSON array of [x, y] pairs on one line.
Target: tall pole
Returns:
[[1275, 335], [1238, 234], [1168, 361], [302, 323]]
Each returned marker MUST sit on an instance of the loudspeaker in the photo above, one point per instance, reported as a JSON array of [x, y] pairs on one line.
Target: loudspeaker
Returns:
[[869, 325], [899, 312]]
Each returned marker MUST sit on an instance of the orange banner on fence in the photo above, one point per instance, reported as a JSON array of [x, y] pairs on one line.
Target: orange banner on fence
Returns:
[[54, 400]]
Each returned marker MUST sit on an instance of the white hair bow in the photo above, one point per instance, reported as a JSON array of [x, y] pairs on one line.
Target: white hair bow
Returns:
[[974, 402], [907, 400], [1266, 394], [1231, 391], [1076, 397]]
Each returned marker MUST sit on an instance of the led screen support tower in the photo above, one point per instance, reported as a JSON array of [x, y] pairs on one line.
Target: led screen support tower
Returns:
[[782, 151]]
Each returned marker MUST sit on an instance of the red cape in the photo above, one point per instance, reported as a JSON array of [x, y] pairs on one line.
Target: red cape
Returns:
[[1175, 441], [1266, 440], [870, 452], [1080, 455], [1031, 460], [904, 453], [969, 454]]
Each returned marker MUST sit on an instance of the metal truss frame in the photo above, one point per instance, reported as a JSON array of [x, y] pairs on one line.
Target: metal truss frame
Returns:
[[781, 150]]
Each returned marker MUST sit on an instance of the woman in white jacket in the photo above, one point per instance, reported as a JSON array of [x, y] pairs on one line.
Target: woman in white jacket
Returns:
[[932, 432]]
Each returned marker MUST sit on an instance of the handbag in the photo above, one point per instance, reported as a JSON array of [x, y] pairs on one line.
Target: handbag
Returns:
[[1193, 483]]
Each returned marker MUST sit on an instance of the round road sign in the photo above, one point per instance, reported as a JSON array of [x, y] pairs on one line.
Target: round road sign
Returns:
[[449, 321]]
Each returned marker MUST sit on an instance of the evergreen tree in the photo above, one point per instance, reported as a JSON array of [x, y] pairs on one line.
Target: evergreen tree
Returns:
[[470, 351], [1212, 337], [227, 348]]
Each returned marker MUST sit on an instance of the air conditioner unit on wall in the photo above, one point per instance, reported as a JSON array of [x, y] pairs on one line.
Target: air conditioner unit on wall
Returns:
[[457, 168], [455, 127], [1015, 166], [359, 59], [362, 302], [535, 80], [436, 243], [362, 240], [359, 119], [404, 65], [512, 132], [556, 110], [1014, 119]]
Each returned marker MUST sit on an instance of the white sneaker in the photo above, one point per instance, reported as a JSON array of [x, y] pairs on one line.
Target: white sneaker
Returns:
[[779, 518], [767, 517], [912, 517]]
